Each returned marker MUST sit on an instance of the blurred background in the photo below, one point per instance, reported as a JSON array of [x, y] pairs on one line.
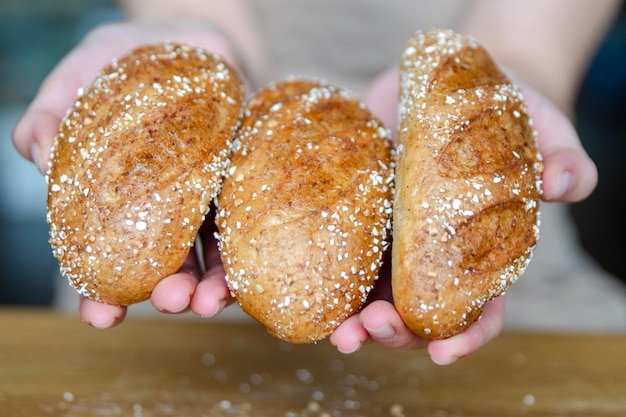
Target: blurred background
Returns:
[[601, 119], [36, 34]]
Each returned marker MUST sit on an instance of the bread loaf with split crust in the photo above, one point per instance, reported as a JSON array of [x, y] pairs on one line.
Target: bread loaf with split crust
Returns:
[[468, 183], [305, 212], [137, 161]]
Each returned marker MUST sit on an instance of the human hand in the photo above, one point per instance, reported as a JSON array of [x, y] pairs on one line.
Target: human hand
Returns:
[[33, 135], [569, 175]]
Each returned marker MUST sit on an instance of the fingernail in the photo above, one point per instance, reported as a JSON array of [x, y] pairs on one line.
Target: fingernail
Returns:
[[180, 309], [353, 349], [384, 332], [218, 309], [563, 182], [35, 155], [170, 306], [102, 326], [445, 361]]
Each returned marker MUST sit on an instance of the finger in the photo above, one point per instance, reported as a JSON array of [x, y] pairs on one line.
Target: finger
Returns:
[[381, 97], [447, 351], [349, 336], [34, 133], [212, 294], [210, 250], [173, 294], [385, 327], [382, 289], [100, 315], [569, 174], [33, 136]]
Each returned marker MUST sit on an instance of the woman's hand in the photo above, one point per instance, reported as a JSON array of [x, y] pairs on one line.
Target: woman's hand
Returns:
[[34, 133], [191, 288], [569, 175]]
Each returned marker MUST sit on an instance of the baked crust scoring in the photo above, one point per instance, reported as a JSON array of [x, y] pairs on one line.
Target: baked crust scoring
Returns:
[[136, 162], [466, 208]]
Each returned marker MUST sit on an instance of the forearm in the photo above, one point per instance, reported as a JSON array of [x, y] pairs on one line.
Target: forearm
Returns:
[[548, 43], [231, 18]]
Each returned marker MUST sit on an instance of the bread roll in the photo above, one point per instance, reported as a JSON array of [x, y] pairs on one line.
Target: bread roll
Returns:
[[304, 214], [466, 208], [135, 165]]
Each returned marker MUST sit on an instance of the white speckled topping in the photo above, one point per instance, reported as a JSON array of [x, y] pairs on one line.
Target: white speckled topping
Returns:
[[305, 213], [468, 184], [135, 165]]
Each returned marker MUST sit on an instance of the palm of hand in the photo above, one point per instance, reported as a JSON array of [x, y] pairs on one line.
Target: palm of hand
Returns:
[[569, 175]]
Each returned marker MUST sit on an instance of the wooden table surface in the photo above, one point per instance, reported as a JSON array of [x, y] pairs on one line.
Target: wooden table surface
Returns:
[[54, 365]]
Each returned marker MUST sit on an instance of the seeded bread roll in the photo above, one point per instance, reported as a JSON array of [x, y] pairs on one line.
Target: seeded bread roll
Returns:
[[466, 208], [305, 212], [135, 165]]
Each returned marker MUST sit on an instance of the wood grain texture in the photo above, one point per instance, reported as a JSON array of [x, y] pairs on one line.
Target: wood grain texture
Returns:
[[53, 365]]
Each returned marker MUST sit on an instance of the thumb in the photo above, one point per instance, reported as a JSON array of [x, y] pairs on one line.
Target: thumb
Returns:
[[34, 134], [569, 174]]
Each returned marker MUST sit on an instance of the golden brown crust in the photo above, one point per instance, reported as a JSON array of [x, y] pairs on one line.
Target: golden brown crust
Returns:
[[468, 175], [135, 165], [304, 214]]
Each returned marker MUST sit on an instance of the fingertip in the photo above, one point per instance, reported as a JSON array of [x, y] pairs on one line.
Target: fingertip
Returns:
[[569, 173], [561, 185], [443, 360], [173, 294], [211, 296], [447, 351], [348, 349], [569, 176], [482, 331], [33, 136], [100, 315], [378, 319], [350, 336], [385, 326]]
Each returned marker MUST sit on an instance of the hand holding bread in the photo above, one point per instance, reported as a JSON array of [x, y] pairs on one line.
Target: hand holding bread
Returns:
[[468, 183], [304, 213], [135, 165]]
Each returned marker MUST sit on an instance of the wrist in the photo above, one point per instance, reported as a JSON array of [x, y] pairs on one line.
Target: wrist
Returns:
[[194, 32], [230, 24], [206, 34]]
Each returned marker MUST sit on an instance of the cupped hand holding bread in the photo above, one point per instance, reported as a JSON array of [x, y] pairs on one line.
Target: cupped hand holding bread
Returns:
[[304, 212], [468, 176], [135, 165], [304, 215]]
